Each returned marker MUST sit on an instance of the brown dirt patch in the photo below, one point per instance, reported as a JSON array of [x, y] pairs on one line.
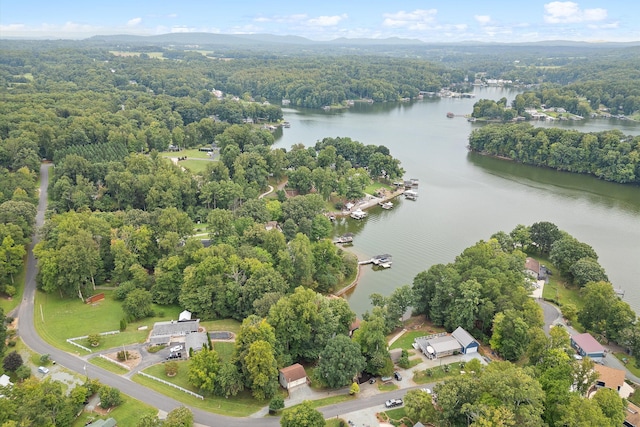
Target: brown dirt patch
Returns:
[[132, 361]]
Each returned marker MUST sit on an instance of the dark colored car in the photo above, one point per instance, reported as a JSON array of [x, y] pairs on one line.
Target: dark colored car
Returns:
[[397, 376]]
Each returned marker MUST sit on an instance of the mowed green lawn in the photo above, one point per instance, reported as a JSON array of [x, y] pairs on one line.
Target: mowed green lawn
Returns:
[[57, 320], [195, 166], [242, 405], [126, 414], [191, 153]]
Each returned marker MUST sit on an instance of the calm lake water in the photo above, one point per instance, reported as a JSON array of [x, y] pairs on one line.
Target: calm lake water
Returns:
[[464, 198]]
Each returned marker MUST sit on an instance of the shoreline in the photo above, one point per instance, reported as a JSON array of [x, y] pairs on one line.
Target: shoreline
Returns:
[[369, 201]]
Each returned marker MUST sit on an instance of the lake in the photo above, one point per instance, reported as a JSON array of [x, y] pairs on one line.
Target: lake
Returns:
[[465, 197]]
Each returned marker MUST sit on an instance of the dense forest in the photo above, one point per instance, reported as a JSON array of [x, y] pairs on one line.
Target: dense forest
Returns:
[[609, 155]]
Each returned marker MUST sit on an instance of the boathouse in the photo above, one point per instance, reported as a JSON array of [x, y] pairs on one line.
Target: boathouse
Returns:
[[467, 342], [586, 345]]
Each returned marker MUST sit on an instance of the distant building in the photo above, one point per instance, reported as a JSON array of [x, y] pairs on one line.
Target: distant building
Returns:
[[441, 345], [292, 376], [632, 418], [586, 345], [532, 268]]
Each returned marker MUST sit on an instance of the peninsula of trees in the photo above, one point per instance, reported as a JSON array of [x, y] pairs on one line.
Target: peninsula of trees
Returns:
[[608, 155]]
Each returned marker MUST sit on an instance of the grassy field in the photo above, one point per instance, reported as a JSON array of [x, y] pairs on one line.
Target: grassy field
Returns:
[[437, 374], [126, 414], [630, 363], [224, 350], [331, 400], [192, 153], [406, 340], [239, 406], [375, 186], [107, 365], [58, 319], [195, 166]]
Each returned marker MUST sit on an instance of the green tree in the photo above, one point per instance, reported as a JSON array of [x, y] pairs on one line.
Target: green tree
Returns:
[[276, 403], [340, 362], [179, 417], [611, 405], [11, 256], [587, 270], [579, 412], [302, 415], [171, 369], [419, 406], [203, 370], [109, 397], [510, 335], [566, 251], [12, 361], [263, 370], [544, 234], [229, 381], [138, 304]]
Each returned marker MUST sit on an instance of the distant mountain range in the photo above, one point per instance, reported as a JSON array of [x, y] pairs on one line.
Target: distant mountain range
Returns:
[[213, 39]]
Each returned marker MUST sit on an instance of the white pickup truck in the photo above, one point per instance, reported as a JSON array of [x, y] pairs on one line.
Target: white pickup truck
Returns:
[[392, 403]]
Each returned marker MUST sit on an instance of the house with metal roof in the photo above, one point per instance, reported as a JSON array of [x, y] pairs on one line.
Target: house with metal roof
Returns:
[[586, 345], [467, 342], [439, 345], [196, 341]]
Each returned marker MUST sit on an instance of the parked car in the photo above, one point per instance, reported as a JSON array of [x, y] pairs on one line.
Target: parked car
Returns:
[[176, 348], [392, 403], [397, 376], [426, 390], [174, 356], [372, 380], [43, 370]]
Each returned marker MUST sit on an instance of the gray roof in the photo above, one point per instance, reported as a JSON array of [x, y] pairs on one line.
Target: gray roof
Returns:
[[463, 337], [444, 344], [109, 422], [173, 327], [196, 340]]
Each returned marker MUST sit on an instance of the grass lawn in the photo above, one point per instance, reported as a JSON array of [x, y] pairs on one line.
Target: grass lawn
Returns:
[[630, 364], [224, 350], [70, 318], [107, 365], [239, 406], [406, 340], [7, 304], [558, 289], [375, 186], [331, 400], [437, 373], [195, 166], [334, 422], [127, 414], [388, 386], [192, 152]]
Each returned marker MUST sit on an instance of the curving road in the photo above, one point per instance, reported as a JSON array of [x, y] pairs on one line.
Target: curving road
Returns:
[[74, 363]]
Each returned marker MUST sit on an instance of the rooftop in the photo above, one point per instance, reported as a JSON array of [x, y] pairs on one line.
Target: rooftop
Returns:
[[611, 378], [293, 372], [463, 337], [587, 343]]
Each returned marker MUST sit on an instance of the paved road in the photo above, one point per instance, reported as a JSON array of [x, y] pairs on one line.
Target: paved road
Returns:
[[79, 365]]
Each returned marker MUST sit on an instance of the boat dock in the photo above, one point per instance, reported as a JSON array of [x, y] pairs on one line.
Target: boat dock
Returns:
[[383, 261]]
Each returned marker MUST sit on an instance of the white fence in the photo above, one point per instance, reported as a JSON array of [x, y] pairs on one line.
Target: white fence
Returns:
[[84, 337], [172, 385], [122, 365]]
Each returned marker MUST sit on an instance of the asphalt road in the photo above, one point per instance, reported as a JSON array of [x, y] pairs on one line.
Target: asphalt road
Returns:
[[74, 363]]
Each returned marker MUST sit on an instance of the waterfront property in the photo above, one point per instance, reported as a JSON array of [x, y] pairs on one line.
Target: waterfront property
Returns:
[[411, 195], [358, 214], [440, 345], [586, 345], [611, 378]]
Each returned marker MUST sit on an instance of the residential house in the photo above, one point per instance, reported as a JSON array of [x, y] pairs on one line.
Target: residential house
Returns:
[[436, 346], [163, 332], [611, 378], [532, 268], [632, 418], [467, 342], [586, 345], [292, 376], [196, 341]]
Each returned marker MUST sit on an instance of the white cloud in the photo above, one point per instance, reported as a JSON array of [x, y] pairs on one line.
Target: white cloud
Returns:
[[183, 29], [482, 19], [327, 21], [172, 15], [133, 22], [419, 19], [568, 12]]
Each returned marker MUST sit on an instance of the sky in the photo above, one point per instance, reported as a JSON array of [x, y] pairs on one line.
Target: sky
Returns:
[[430, 21]]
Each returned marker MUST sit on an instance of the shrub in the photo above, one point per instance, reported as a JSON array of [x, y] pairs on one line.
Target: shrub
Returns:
[[12, 362], [123, 325], [171, 369], [123, 355], [23, 372], [276, 404], [93, 340]]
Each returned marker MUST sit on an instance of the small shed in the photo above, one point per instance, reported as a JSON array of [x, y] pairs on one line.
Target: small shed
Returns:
[[5, 381], [185, 315], [467, 342], [292, 376], [586, 345]]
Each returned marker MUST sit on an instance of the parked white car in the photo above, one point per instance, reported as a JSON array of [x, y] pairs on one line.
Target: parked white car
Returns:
[[43, 370], [392, 403]]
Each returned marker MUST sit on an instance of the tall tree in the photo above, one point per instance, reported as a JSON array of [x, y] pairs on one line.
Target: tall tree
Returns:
[[340, 362]]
